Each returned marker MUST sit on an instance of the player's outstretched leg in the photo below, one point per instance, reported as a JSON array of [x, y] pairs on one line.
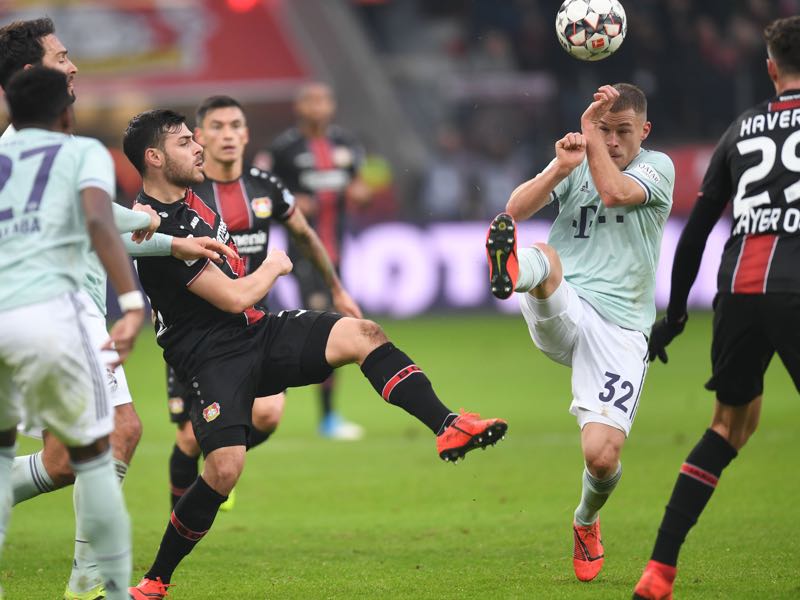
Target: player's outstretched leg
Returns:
[[403, 383], [512, 270]]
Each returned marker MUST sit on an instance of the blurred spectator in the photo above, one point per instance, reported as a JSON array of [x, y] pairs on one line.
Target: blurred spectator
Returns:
[[446, 191]]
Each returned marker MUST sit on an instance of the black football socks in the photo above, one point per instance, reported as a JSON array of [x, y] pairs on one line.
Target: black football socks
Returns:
[[402, 383], [189, 522], [182, 473], [696, 482]]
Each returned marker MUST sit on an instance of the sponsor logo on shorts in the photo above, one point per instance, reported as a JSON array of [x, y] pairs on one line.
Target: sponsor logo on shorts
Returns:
[[211, 412], [262, 207], [111, 381], [176, 406]]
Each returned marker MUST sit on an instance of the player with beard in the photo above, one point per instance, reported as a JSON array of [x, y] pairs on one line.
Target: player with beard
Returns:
[[247, 200], [232, 351]]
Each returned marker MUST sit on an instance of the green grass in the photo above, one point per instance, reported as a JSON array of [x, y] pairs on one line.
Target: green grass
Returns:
[[384, 518]]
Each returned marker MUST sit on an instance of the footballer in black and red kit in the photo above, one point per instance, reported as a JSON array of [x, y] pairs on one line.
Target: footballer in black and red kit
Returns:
[[232, 351], [319, 162], [192, 331], [757, 309], [246, 205], [755, 167]]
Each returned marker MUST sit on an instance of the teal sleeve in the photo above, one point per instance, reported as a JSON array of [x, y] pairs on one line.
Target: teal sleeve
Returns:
[[656, 174], [158, 245], [128, 220]]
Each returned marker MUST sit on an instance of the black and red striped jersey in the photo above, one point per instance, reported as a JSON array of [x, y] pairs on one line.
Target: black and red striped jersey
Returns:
[[757, 168], [247, 205], [187, 326], [322, 167]]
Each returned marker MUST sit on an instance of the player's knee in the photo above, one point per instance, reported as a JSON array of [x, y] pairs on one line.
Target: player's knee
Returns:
[[223, 468], [371, 333], [267, 413], [552, 258], [185, 440], [56, 462], [602, 462]]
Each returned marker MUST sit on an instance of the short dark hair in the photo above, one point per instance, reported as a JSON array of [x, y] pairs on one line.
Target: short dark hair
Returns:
[[630, 96], [783, 43], [21, 44], [147, 130], [37, 96], [212, 103]]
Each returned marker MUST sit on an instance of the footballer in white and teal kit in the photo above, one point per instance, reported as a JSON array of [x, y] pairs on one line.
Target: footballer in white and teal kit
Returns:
[[43, 241], [587, 295], [51, 374]]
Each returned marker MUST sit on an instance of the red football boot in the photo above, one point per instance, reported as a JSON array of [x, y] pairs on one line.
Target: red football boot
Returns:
[[467, 432], [501, 252]]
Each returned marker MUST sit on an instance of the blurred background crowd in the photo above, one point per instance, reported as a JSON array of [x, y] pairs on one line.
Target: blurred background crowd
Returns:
[[455, 101]]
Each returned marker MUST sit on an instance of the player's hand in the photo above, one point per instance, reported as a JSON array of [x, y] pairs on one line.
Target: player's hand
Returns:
[[571, 150], [155, 221], [344, 304], [307, 205], [278, 259], [192, 248], [604, 99], [664, 331], [123, 335]]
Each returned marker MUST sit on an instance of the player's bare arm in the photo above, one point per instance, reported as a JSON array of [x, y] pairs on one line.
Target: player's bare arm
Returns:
[[310, 244], [108, 246], [307, 204], [531, 196], [237, 295], [358, 192], [599, 127]]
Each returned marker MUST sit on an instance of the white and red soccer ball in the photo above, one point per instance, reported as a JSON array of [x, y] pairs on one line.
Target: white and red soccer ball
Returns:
[[591, 29]]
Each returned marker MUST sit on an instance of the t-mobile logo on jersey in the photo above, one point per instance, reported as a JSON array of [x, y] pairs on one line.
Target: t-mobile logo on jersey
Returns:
[[586, 219]]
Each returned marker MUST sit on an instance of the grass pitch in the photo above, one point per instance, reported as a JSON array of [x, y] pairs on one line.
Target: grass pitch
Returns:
[[385, 518]]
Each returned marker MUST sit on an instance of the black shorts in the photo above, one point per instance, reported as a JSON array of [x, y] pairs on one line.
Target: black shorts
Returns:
[[280, 351], [748, 331], [179, 397]]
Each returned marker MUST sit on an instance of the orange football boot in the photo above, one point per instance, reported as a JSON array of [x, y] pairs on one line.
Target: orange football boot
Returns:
[[656, 582], [149, 589], [587, 554], [501, 252], [467, 432]]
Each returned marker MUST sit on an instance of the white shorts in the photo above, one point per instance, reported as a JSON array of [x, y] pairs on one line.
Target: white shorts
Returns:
[[98, 334], [50, 372], [608, 362], [116, 382]]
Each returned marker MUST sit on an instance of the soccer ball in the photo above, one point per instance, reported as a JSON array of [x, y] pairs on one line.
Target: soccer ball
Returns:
[[591, 29]]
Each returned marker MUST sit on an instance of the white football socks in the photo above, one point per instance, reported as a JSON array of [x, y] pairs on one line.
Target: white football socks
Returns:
[[594, 495], [85, 575], [103, 521], [534, 267], [29, 478], [6, 493]]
